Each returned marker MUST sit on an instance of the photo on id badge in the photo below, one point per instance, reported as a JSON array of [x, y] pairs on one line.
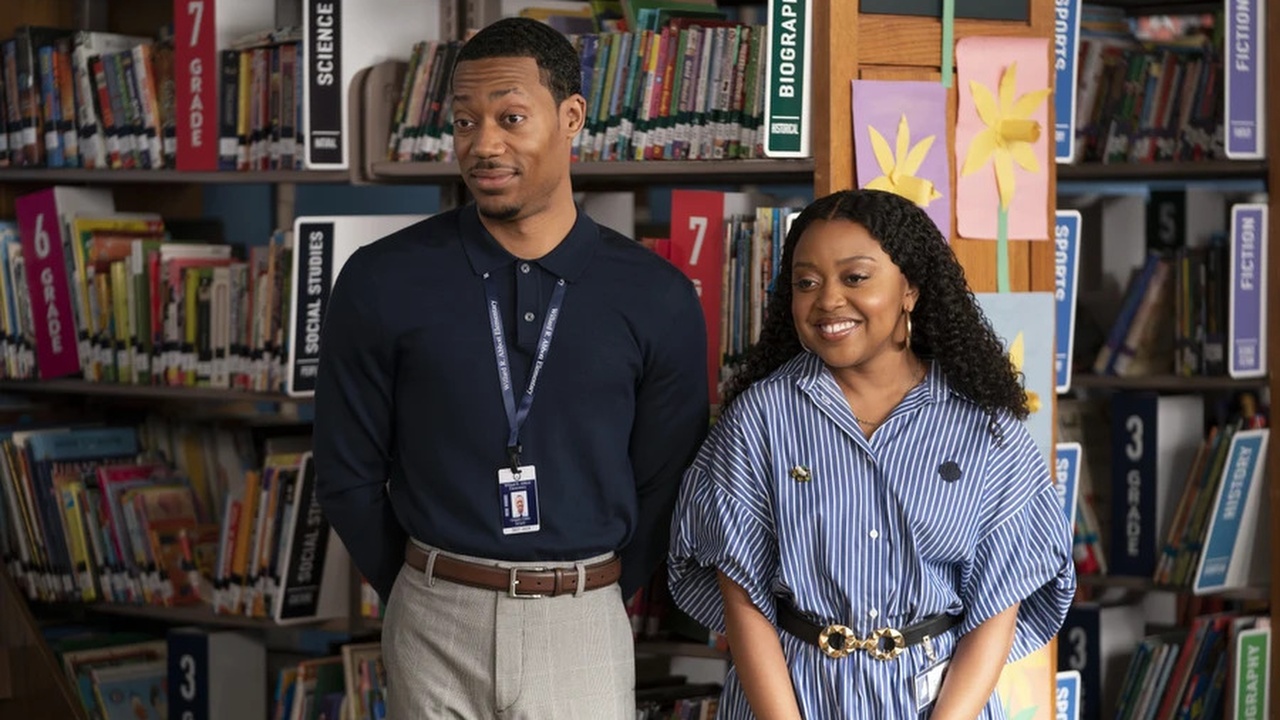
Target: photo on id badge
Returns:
[[519, 497]]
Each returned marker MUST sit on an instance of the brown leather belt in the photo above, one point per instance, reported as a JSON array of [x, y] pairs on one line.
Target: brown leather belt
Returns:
[[516, 582]]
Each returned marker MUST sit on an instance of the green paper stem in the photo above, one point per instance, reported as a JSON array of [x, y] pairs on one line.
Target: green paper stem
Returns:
[[1002, 249], [948, 39]]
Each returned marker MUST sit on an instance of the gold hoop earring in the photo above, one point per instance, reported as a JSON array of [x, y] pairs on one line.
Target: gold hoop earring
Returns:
[[907, 345]]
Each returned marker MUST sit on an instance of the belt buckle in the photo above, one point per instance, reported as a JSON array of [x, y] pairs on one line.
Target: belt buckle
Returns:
[[897, 644], [514, 581], [849, 641]]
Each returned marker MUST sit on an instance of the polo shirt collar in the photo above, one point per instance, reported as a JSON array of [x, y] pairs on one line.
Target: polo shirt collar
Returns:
[[567, 260]]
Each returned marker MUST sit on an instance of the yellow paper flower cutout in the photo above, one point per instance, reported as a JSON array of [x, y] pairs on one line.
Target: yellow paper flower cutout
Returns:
[[1009, 134], [1017, 353], [899, 166]]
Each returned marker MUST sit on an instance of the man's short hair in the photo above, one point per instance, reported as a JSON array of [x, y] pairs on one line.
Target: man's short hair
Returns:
[[558, 62]]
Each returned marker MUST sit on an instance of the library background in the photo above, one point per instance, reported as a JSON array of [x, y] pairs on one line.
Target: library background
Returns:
[[162, 162]]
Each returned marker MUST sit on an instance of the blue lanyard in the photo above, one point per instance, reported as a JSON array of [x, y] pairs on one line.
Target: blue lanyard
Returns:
[[516, 416]]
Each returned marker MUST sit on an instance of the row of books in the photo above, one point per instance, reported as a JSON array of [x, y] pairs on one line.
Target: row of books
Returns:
[[108, 513], [260, 116], [192, 672], [350, 685], [1148, 101], [730, 246], [1197, 672], [1173, 317], [1142, 659], [678, 701], [1171, 488], [221, 87], [272, 526], [86, 99], [1221, 495], [120, 298], [1194, 310], [1081, 422], [692, 90], [73, 99]]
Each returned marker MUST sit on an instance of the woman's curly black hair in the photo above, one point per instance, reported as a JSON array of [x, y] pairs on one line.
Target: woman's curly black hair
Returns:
[[947, 326]]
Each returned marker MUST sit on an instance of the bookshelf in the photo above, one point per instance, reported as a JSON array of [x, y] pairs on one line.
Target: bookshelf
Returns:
[[1231, 176], [167, 177], [1144, 585], [1165, 383], [848, 44], [85, 388], [592, 175], [1176, 171]]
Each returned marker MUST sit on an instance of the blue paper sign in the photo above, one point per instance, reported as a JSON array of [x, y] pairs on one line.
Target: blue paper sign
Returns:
[[1247, 304], [1066, 260], [1066, 474], [1245, 46], [1066, 43], [1224, 544], [1066, 697]]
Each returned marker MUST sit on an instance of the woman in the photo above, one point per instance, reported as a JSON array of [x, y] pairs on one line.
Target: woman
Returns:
[[869, 520]]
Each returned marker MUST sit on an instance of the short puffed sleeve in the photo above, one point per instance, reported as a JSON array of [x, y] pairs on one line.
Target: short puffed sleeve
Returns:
[[724, 521], [1023, 551]]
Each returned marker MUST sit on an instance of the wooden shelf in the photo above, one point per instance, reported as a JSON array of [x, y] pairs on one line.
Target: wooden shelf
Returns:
[[1164, 383], [679, 649], [168, 177], [142, 392], [202, 615], [1163, 7], [1207, 170], [601, 174], [1146, 585]]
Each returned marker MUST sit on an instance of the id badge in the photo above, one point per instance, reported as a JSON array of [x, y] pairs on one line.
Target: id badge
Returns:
[[927, 684], [518, 493]]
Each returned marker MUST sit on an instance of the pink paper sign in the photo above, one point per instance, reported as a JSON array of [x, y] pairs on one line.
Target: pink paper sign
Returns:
[[1002, 137]]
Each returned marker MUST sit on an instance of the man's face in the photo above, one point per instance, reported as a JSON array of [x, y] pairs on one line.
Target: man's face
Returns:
[[511, 138]]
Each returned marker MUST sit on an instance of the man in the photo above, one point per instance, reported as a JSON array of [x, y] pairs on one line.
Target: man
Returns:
[[508, 395]]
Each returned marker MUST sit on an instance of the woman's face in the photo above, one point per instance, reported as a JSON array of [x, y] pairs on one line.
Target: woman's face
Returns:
[[848, 297]]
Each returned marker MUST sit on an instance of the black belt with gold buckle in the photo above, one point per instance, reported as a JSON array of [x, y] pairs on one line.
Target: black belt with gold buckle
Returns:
[[838, 641]]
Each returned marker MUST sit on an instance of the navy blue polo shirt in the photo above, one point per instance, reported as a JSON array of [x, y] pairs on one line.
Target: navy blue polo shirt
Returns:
[[410, 428]]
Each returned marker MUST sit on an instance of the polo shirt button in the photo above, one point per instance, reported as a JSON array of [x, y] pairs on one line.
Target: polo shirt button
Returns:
[[528, 317], [875, 534], [873, 613], [524, 268]]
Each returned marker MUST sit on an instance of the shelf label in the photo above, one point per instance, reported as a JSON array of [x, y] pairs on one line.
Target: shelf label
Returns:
[[57, 348], [1228, 558], [1247, 307], [1253, 689], [1066, 44], [1066, 697], [313, 280], [786, 108], [1066, 261], [1066, 476], [325, 144], [1244, 79], [195, 56]]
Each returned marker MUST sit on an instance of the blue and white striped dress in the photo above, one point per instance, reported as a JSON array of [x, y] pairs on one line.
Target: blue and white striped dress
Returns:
[[876, 537]]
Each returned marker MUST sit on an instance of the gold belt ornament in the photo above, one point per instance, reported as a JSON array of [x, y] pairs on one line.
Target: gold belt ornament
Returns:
[[874, 644]]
